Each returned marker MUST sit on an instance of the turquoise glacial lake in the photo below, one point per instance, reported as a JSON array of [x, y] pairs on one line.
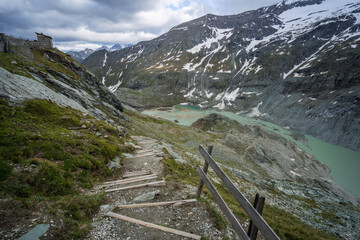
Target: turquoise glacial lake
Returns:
[[343, 163]]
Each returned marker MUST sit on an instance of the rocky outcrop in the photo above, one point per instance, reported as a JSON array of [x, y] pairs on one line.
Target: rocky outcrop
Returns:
[[50, 74], [294, 63]]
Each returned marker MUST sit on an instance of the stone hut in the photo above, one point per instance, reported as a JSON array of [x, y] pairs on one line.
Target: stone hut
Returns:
[[44, 41], [11, 44]]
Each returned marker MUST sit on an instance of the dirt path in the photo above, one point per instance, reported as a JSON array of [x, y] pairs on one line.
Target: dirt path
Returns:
[[192, 218]]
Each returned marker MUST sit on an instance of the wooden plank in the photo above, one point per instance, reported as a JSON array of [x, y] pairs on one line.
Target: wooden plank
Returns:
[[155, 204], [147, 142], [154, 226], [141, 156], [260, 223], [136, 173], [131, 180], [127, 179], [145, 151], [251, 225], [158, 183], [223, 206], [205, 169]]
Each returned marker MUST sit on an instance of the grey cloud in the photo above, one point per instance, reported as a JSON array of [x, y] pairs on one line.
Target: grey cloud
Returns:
[[63, 18]]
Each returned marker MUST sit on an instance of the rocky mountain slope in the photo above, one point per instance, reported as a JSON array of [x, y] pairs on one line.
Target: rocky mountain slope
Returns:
[[295, 63], [28, 73]]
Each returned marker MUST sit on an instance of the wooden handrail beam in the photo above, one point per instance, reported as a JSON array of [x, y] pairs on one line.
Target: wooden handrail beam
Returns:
[[223, 206], [260, 223]]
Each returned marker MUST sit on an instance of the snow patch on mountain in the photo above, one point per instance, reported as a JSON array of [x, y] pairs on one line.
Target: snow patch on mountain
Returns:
[[226, 96], [255, 112], [300, 20], [115, 87], [217, 35], [105, 58]]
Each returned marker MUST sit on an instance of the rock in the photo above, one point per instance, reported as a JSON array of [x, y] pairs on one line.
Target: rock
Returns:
[[122, 131], [106, 207], [115, 163], [145, 197], [36, 232], [128, 155]]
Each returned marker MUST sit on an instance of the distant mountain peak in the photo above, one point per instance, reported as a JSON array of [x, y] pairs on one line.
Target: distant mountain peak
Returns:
[[118, 46]]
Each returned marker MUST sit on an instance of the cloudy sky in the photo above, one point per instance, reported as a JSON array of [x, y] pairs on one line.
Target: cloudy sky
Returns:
[[80, 24]]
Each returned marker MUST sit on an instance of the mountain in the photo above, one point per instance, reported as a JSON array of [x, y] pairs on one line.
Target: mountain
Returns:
[[118, 46], [295, 63], [80, 55]]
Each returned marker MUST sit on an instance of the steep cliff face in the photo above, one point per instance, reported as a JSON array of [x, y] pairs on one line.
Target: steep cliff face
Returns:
[[28, 73], [295, 63]]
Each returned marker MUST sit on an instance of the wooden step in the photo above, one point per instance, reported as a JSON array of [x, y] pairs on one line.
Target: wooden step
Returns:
[[155, 184], [155, 226], [141, 156], [136, 173], [145, 151], [130, 180], [156, 204], [147, 142]]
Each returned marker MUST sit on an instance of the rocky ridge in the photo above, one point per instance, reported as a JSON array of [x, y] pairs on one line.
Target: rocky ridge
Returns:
[[28, 73], [295, 63]]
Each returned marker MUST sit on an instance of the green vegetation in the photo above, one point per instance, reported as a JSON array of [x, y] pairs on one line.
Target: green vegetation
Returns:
[[51, 154], [58, 62], [184, 173], [76, 212], [13, 63]]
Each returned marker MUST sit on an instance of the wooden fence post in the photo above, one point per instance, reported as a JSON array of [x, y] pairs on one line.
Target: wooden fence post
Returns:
[[205, 169], [259, 206]]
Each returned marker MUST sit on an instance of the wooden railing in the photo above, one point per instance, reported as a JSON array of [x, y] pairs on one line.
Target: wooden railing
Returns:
[[257, 222]]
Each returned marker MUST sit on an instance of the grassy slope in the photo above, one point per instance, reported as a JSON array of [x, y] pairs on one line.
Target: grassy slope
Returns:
[[283, 223], [45, 166]]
